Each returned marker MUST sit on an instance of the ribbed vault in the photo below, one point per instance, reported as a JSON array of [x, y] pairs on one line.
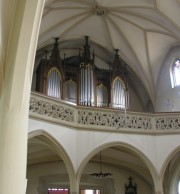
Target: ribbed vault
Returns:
[[143, 30]]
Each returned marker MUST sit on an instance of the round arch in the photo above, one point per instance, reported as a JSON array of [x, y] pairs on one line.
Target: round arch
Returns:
[[174, 173], [129, 147], [57, 147]]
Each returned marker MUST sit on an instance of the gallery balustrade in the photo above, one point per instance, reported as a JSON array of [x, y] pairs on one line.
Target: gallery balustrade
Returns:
[[62, 112]]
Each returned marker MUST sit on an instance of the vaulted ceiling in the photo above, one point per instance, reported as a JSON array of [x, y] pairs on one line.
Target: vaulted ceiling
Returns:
[[144, 31]]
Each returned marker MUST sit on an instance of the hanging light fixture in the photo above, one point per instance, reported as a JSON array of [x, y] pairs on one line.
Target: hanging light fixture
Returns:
[[101, 174]]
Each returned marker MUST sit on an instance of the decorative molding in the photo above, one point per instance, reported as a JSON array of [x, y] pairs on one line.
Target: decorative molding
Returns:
[[62, 112], [117, 120], [50, 108], [164, 123]]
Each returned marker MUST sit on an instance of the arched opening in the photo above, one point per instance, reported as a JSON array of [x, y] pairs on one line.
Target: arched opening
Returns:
[[175, 73], [48, 167], [127, 167], [171, 176]]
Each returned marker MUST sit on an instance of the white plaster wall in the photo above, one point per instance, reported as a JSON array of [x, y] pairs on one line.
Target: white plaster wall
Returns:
[[168, 98], [38, 176]]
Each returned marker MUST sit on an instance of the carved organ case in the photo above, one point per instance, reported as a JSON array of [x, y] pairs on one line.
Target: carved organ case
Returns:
[[50, 75], [119, 86], [78, 80], [87, 93]]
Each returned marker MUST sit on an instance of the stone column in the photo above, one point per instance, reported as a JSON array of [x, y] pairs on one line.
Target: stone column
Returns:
[[159, 192], [21, 33], [74, 186], [159, 186]]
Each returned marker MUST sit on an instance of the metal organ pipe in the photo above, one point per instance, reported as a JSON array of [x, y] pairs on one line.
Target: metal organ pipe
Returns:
[[54, 83], [88, 86], [117, 94], [81, 84], [83, 89], [52, 79], [86, 99], [92, 89]]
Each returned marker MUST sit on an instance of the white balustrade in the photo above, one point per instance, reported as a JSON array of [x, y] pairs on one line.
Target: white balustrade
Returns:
[[62, 112]]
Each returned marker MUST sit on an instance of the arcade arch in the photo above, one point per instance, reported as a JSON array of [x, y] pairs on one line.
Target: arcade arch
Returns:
[[51, 161], [170, 172]]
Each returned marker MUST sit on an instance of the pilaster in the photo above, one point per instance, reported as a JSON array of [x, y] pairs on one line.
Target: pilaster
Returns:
[[15, 94]]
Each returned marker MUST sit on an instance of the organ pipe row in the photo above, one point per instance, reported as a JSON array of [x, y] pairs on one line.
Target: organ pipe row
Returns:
[[85, 85], [54, 83], [118, 94]]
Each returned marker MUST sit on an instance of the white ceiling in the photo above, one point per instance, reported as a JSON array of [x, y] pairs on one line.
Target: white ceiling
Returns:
[[143, 30]]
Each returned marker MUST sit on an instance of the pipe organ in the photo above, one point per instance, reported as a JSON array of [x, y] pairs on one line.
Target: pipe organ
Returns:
[[78, 80]]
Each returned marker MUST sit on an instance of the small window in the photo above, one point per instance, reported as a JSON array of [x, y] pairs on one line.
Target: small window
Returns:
[[175, 73]]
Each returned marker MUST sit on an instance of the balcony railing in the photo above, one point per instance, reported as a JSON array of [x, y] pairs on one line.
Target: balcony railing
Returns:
[[61, 112]]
